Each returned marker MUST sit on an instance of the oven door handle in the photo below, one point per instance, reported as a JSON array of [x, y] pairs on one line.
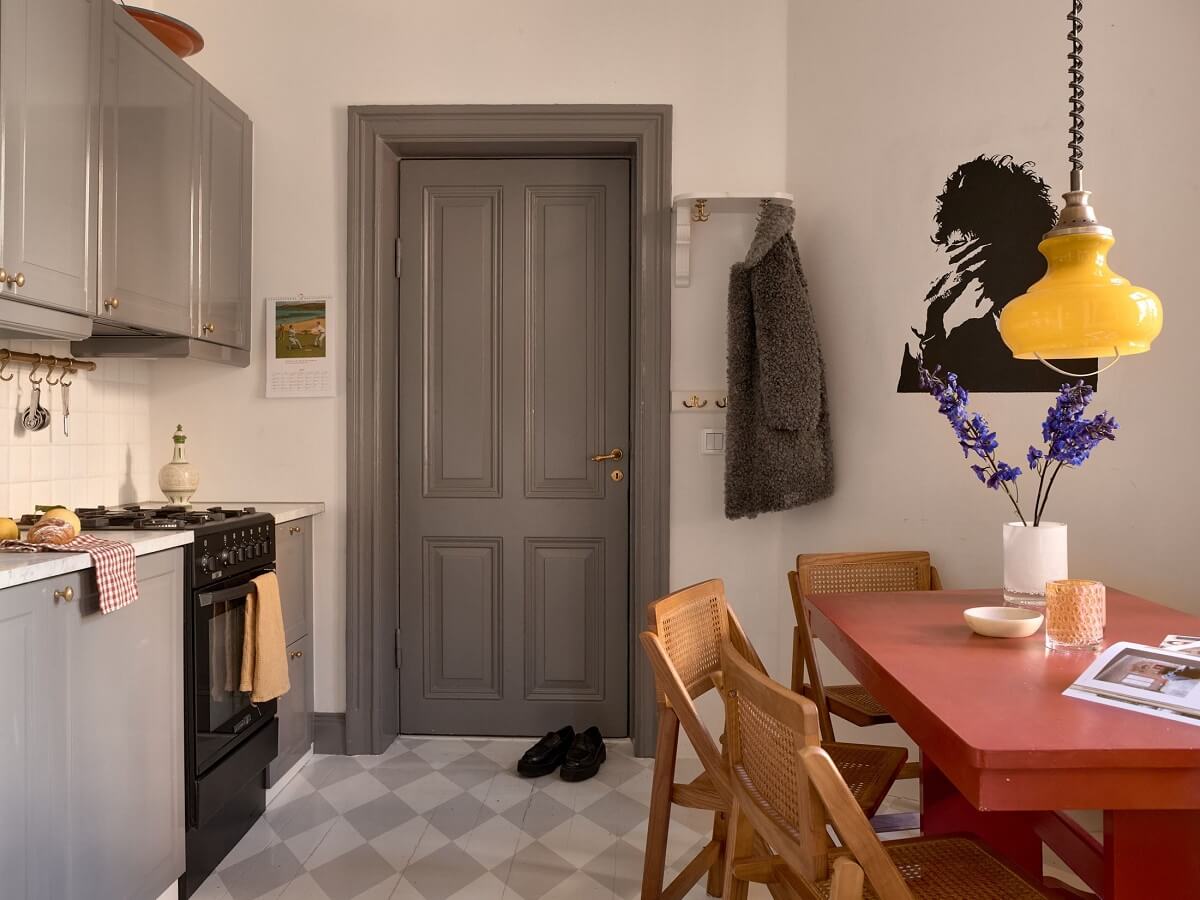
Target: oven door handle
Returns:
[[232, 593]]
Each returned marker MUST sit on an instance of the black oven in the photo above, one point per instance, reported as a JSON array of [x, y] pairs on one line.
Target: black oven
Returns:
[[223, 712], [228, 740]]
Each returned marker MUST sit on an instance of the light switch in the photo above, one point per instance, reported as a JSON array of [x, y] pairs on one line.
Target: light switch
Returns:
[[712, 441]]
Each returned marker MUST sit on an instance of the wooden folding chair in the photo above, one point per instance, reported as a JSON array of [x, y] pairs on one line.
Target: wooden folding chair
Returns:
[[835, 573], [683, 643], [785, 791]]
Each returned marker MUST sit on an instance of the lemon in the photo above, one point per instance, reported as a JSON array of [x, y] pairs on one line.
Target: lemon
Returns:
[[9, 530]]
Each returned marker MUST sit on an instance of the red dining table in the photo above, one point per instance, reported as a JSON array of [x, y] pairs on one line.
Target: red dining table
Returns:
[[1003, 751]]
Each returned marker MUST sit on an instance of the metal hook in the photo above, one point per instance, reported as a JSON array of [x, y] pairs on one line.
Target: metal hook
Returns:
[[695, 402], [700, 210], [3, 366], [722, 403], [50, 371], [33, 370], [66, 372]]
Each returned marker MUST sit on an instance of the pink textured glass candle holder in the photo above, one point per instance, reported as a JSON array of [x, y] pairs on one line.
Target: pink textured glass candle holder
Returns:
[[1075, 614]]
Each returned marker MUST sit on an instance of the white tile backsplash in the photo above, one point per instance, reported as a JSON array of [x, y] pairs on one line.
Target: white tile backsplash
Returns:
[[105, 459]]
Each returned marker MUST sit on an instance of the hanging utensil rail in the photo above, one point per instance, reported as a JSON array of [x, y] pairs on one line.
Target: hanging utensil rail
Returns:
[[65, 364]]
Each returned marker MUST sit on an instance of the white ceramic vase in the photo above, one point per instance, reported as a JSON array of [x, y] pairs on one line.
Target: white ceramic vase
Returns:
[[179, 479], [1033, 555]]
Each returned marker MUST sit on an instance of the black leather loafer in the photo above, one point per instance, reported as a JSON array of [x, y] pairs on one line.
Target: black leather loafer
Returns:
[[585, 756], [547, 754]]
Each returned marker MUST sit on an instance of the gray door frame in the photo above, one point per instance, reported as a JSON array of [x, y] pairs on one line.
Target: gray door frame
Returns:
[[379, 136]]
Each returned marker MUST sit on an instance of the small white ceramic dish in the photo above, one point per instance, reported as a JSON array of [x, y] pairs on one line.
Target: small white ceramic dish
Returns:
[[1003, 621]]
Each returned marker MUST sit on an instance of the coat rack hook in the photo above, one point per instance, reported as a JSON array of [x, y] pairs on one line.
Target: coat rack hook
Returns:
[[722, 403], [694, 402], [700, 210]]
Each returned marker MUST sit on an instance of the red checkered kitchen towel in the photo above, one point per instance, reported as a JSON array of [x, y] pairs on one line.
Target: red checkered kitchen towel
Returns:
[[116, 571]]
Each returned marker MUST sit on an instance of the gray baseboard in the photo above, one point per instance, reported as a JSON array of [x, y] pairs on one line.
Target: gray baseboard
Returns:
[[329, 732]]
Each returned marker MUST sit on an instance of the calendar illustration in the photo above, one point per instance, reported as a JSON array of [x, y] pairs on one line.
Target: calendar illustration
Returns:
[[299, 357]]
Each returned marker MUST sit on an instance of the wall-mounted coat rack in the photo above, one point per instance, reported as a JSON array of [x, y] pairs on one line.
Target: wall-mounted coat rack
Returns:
[[707, 401], [696, 208]]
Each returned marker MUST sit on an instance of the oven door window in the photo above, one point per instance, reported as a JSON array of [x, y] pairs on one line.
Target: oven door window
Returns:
[[221, 708]]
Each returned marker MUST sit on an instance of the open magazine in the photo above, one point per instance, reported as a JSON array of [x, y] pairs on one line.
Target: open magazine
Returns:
[[1160, 681]]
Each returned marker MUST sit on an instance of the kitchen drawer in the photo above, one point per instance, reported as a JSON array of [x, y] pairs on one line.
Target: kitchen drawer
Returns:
[[294, 711]]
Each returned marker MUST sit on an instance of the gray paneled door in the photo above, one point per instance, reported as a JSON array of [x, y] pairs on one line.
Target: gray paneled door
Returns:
[[514, 375]]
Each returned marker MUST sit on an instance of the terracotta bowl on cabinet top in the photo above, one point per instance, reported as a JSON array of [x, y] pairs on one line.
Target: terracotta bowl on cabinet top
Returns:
[[179, 37], [1003, 621]]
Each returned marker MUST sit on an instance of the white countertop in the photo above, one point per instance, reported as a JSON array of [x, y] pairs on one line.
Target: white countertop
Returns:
[[21, 568], [283, 511]]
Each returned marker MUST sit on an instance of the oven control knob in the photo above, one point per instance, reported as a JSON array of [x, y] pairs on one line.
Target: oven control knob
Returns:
[[241, 552], [205, 562], [227, 556]]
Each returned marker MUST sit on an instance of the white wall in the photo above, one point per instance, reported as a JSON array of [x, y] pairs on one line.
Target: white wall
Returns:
[[105, 459], [885, 99], [862, 108], [296, 66]]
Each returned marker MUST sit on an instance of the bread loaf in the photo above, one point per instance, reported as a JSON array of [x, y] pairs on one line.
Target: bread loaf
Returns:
[[51, 531]]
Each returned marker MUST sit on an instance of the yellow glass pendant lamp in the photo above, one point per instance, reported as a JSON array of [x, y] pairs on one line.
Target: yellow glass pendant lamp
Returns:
[[1081, 308]]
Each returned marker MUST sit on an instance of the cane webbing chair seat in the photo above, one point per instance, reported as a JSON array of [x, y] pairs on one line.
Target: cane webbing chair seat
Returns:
[[868, 770], [951, 868]]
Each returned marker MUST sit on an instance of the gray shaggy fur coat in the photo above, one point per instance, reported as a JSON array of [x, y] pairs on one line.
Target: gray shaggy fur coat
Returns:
[[777, 451]]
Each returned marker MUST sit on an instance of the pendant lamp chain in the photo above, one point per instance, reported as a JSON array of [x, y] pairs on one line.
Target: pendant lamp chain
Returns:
[[1075, 17]]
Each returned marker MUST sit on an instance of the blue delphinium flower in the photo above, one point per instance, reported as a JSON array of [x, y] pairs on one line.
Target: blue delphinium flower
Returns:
[[973, 432], [1071, 437]]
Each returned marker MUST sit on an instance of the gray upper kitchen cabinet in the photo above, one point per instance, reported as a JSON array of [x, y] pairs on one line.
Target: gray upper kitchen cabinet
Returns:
[[49, 66], [149, 170], [226, 158], [293, 564], [91, 738]]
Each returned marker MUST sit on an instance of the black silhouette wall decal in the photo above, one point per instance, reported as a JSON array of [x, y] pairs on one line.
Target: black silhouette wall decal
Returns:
[[991, 216]]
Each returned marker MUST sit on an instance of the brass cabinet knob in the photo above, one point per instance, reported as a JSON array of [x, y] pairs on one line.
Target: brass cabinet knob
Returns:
[[295, 654], [613, 454], [3, 275], [208, 328], [295, 529], [18, 280], [111, 303], [67, 594]]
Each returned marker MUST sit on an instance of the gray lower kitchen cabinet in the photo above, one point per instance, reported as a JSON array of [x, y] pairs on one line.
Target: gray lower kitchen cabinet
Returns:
[[33, 742], [294, 710], [226, 158], [91, 738], [49, 66], [149, 169], [293, 564]]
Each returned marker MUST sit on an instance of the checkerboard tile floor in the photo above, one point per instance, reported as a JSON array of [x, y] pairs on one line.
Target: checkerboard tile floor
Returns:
[[448, 818]]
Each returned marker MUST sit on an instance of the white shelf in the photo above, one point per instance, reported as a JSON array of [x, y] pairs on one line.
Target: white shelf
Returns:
[[695, 207]]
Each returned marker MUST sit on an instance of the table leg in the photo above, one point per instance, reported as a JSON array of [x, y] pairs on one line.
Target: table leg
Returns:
[[1011, 834], [1151, 853]]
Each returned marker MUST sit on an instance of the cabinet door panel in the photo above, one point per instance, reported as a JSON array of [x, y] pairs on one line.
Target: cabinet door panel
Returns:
[[293, 564], [125, 705], [149, 168], [49, 55], [225, 207], [294, 710], [32, 742]]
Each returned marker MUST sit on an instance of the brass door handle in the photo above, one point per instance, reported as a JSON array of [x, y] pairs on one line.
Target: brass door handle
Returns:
[[295, 654], [67, 594], [605, 457]]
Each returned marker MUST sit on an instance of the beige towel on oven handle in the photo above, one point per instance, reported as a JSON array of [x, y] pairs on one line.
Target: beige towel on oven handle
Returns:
[[264, 649]]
